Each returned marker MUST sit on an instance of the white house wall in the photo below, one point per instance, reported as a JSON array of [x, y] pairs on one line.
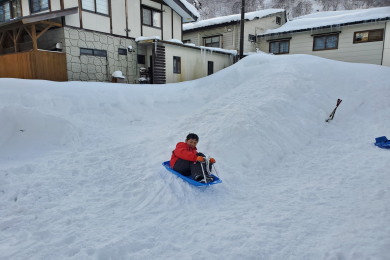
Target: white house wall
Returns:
[[25, 8], [194, 62], [369, 52], [134, 18], [118, 11], [231, 33], [167, 25], [96, 22], [71, 3], [102, 23], [55, 5], [177, 26], [386, 49], [258, 26]]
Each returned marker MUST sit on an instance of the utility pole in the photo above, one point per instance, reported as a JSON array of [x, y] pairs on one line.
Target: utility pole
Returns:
[[242, 29]]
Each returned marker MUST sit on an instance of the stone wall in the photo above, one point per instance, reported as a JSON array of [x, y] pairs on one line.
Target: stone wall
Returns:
[[94, 68]]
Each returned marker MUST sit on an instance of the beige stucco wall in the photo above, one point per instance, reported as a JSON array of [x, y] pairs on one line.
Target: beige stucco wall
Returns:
[[171, 21], [231, 33], [71, 3], [25, 8], [55, 5], [118, 10], [134, 18], [177, 26], [193, 62], [370, 52]]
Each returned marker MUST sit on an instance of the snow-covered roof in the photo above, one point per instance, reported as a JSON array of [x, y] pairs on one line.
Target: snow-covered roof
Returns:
[[323, 19], [187, 11], [179, 42], [230, 18]]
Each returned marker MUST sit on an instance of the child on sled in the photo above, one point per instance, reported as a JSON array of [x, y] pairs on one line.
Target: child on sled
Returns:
[[187, 161]]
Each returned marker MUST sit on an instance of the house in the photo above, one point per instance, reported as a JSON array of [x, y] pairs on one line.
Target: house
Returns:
[[361, 36], [92, 40], [224, 32]]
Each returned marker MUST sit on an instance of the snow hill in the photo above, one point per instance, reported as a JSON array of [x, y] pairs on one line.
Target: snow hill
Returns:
[[81, 174]]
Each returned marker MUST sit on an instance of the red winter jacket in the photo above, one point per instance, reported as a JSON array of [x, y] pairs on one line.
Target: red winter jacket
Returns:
[[183, 151]]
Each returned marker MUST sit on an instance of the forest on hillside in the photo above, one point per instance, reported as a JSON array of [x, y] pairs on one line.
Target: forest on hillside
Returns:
[[214, 8]]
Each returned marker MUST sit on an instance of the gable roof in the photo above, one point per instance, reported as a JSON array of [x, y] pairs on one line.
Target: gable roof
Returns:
[[329, 19], [229, 19], [187, 11]]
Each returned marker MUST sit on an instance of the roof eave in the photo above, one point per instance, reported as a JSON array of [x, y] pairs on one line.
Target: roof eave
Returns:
[[182, 10]]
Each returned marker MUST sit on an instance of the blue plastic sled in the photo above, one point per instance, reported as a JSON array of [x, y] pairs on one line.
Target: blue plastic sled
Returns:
[[382, 142], [189, 180]]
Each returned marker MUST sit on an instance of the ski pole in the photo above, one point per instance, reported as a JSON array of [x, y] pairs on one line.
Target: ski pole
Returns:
[[204, 175], [331, 116]]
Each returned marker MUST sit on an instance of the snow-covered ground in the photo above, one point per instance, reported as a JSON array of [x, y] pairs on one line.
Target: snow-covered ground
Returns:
[[81, 174]]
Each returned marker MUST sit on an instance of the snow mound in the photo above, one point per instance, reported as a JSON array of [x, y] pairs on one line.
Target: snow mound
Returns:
[[294, 187], [27, 133]]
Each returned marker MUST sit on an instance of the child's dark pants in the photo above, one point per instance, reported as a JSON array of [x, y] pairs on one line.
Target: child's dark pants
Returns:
[[190, 169]]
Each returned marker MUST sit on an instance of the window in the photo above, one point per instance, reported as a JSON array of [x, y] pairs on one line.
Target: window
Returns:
[[10, 10], [210, 67], [368, 36], [252, 38], [5, 11], [96, 6], [213, 41], [39, 5], [141, 59], [278, 20], [186, 41], [176, 65], [122, 51], [151, 17], [326, 42], [279, 47], [93, 52]]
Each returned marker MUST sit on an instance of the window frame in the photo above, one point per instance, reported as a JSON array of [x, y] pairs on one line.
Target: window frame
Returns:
[[31, 5], [279, 41], [152, 12], [95, 8], [93, 52], [326, 36], [176, 64], [368, 40], [210, 44]]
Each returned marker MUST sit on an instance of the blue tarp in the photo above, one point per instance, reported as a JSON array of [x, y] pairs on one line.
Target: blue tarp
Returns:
[[382, 142]]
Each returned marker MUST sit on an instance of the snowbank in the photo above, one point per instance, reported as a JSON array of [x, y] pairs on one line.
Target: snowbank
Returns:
[[294, 187]]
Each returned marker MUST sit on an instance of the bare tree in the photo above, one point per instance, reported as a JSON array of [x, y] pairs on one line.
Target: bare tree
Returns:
[[254, 5], [236, 8], [330, 5], [302, 8]]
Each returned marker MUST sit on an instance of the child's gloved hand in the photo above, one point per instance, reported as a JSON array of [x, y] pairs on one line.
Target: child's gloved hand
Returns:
[[201, 154], [200, 159], [212, 160]]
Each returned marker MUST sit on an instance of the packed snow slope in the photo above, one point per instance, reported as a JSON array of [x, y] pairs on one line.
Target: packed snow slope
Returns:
[[81, 174]]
